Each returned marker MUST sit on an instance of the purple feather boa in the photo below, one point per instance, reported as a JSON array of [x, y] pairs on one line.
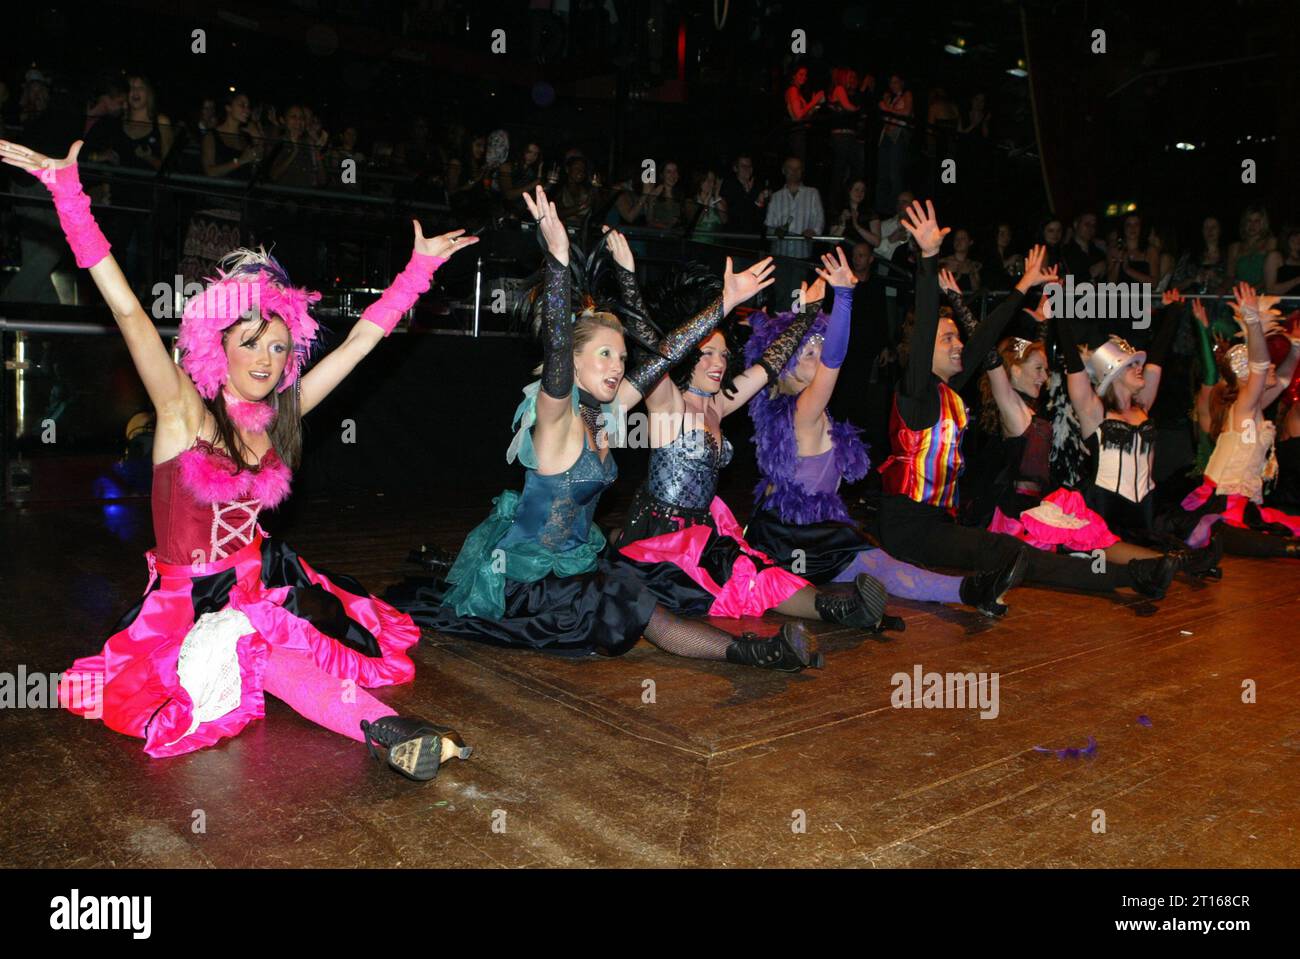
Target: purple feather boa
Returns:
[[778, 459]]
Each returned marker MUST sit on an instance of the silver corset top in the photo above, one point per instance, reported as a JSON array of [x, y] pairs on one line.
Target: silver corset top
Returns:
[[685, 472]]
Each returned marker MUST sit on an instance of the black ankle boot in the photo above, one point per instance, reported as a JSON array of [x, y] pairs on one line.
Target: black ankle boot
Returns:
[[864, 608], [1151, 577], [1202, 563], [414, 746], [984, 590], [789, 650]]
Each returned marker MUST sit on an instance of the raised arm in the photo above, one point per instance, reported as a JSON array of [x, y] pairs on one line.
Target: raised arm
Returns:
[[637, 319], [175, 400], [381, 317], [986, 335], [921, 223], [835, 346], [1251, 310], [1152, 371], [769, 365], [1087, 405], [649, 378], [554, 403]]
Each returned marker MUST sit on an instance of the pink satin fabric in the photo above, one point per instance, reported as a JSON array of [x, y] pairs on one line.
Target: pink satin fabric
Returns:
[[133, 686], [748, 592], [1040, 535], [1234, 514]]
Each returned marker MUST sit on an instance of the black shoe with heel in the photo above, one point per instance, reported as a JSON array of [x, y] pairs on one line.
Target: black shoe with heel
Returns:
[[984, 590], [789, 651], [864, 608], [414, 746], [1151, 577]]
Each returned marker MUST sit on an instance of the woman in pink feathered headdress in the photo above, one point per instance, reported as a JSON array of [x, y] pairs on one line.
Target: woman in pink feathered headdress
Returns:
[[228, 433]]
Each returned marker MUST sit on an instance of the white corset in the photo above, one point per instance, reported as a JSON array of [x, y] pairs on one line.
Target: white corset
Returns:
[[1124, 458], [1238, 467]]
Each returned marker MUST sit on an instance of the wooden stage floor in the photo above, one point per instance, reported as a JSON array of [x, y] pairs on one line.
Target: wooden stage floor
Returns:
[[573, 768]]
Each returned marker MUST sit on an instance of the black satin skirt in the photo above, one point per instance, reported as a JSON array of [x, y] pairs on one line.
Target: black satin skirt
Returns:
[[1181, 523], [649, 516], [604, 611], [816, 551], [282, 568]]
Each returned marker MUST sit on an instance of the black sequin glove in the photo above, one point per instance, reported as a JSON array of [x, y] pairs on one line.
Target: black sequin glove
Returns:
[[675, 346], [557, 335]]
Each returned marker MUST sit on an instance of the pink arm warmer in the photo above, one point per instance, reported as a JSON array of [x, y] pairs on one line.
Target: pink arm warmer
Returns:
[[388, 310], [73, 206]]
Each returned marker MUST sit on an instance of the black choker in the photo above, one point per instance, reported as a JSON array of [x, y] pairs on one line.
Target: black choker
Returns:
[[587, 400]]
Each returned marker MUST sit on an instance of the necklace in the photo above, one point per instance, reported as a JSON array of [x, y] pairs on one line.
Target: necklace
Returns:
[[590, 411], [691, 389]]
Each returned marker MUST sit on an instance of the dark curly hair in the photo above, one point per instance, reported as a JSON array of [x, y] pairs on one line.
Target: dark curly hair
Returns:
[[681, 373]]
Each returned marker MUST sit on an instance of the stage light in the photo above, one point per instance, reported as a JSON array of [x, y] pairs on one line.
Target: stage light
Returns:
[[1181, 145], [1019, 69], [956, 48]]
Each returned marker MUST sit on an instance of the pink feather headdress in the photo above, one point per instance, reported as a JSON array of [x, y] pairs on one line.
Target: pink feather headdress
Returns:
[[254, 283]]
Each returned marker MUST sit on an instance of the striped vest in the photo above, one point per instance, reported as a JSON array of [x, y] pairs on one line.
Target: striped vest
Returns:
[[925, 464]]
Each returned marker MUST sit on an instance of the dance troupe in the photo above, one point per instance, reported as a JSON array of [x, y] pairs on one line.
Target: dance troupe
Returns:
[[230, 615]]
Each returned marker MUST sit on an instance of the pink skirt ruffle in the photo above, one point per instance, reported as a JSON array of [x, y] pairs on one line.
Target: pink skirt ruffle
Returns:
[[1060, 519], [132, 683], [756, 583]]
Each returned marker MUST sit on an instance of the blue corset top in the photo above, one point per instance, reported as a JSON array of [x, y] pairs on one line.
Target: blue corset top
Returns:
[[557, 510], [685, 472]]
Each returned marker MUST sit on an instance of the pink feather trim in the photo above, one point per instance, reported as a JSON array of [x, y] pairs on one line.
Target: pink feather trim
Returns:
[[227, 301], [210, 475], [254, 417]]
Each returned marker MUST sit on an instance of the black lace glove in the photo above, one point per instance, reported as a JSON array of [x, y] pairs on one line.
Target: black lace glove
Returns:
[[636, 318], [778, 354]]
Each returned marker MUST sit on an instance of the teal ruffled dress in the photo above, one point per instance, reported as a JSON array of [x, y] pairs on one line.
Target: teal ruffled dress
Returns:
[[534, 574]]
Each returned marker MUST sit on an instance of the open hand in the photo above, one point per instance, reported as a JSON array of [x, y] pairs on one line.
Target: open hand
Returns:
[[443, 246], [1198, 311], [550, 225], [1171, 295], [20, 156], [619, 249], [837, 271], [739, 287], [1035, 272], [922, 224]]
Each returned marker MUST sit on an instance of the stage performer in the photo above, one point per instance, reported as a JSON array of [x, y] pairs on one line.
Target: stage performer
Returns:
[[928, 424], [1027, 506], [680, 535], [804, 454], [534, 574], [230, 614], [1228, 506]]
